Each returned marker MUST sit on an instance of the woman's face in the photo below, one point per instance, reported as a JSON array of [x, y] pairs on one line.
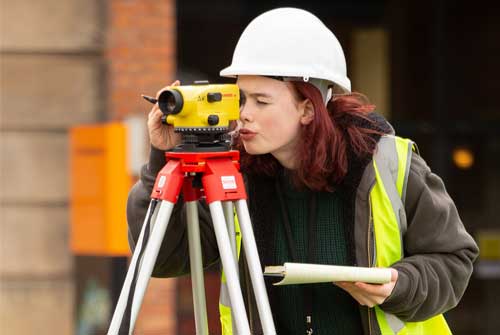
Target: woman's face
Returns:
[[271, 117]]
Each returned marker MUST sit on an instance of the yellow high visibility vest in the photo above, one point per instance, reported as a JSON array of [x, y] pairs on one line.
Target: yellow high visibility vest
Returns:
[[391, 164]]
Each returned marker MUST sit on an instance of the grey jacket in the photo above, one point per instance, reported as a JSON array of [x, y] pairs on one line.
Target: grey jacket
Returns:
[[433, 275]]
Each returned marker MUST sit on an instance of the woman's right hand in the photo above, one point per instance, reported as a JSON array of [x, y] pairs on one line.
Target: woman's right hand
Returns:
[[162, 136]]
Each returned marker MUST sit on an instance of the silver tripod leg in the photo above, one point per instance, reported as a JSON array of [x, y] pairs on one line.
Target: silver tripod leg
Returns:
[[149, 258], [121, 305], [196, 262], [226, 255], [229, 215], [255, 268]]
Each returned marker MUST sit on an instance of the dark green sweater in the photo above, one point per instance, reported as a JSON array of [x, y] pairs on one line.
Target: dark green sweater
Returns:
[[333, 310]]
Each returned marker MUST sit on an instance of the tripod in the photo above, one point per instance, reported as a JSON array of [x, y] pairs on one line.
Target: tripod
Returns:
[[222, 184]]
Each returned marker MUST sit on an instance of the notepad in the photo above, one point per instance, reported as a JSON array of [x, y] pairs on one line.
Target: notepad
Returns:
[[302, 273]]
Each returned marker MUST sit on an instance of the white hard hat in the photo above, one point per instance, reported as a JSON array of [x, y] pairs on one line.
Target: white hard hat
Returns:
[[290, 42]]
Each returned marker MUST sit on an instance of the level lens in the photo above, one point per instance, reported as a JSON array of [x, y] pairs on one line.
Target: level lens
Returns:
[[170, 101]]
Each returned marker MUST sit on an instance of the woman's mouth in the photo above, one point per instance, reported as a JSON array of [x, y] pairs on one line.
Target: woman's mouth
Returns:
[[247, 134]]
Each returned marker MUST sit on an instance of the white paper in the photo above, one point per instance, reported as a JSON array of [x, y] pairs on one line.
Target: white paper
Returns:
[[301, 273]]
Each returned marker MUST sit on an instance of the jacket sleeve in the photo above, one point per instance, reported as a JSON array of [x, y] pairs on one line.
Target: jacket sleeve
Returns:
[[439, 253], [173, 257]]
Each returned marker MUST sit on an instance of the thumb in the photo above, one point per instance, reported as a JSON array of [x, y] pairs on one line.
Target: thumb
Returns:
[[394, 275]]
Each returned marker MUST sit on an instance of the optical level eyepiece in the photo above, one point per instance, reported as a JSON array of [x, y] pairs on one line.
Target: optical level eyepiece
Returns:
[[170, 102]]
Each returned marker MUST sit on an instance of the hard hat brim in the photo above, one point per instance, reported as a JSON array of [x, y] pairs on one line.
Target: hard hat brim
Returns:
[[234, 72]]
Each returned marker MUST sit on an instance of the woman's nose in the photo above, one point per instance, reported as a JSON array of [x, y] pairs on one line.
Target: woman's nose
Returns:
[[245, 114]]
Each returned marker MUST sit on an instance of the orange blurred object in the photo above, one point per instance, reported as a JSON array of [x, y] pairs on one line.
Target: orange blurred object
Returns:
[[463, 158], [100, 182]]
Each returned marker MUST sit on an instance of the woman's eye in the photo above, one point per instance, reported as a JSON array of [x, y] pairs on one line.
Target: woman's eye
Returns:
[[243, 100], [259, 102]]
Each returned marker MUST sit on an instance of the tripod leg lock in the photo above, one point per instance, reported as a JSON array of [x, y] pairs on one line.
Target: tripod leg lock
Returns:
[[222, 181], [168, 182]]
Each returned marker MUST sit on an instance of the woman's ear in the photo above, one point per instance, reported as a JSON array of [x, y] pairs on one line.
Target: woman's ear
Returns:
[[307, 112]]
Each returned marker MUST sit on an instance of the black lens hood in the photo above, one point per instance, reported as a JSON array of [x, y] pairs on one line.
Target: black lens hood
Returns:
[[165, 97]]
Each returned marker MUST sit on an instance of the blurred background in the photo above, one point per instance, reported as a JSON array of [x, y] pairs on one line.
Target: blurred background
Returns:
[[72, 136]]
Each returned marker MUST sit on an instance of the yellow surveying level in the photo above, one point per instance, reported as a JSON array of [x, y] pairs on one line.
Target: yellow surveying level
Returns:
[[199, 109]]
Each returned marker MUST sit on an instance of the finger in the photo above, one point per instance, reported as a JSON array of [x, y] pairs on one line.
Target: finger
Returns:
[[359, 295], [371, 288], [155, 123], [349, 287], [152, 111], [367, 299], [362, 300], [382, 291], [341, 283], [371, 302], [394, 275], [155, 114], [175, 83]]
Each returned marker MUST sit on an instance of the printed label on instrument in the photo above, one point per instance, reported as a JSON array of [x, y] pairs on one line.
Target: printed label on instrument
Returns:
[[162, 181], [228, 182]]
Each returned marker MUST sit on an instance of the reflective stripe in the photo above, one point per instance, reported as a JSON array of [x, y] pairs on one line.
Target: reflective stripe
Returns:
[[405, 151], [389, 324], [394, 322], [224, 295], [402, 152], [396, 152], [393, 158], [388, 153], [391, 164]]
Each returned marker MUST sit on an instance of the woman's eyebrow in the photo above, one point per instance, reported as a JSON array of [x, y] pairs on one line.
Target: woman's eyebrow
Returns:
[[257, 95]]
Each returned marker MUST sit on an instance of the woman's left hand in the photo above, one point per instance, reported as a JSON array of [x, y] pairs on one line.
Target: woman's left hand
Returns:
[[370, 294]]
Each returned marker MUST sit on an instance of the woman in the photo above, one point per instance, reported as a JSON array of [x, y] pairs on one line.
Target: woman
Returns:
[[312, 154]]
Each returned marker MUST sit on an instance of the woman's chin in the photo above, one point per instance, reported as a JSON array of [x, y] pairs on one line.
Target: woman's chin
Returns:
[[253, 149]]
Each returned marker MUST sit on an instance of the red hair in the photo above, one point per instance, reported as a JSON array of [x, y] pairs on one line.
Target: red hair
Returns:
[[337, 130]]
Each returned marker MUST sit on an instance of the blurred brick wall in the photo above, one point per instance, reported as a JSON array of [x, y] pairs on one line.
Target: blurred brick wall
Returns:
[[158, 312], [65, 63], [140, 55], [185, 314], [140, 52], [50, 79]]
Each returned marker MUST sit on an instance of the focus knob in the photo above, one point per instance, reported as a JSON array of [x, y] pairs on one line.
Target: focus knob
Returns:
[[214, 97], [213, 120]]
